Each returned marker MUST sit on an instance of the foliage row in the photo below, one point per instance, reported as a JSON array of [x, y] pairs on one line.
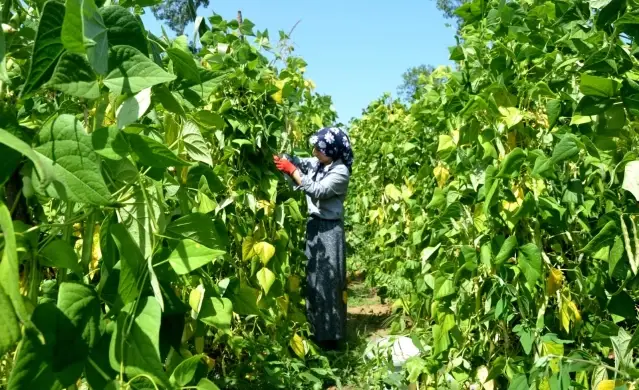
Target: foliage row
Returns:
[[501, 205], [145, 241]]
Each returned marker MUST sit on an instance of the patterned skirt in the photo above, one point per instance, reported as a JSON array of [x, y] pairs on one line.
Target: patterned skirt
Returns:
[[326, 278]]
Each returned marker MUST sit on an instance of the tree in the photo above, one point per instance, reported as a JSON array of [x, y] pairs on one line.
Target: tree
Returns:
[[178, 13], [448, 7], [409, 88]]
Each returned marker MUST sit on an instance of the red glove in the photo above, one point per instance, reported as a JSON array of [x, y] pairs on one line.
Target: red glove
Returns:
[[283, 165]]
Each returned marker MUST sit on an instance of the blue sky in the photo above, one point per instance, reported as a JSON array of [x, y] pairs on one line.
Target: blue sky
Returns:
[[356, 50]]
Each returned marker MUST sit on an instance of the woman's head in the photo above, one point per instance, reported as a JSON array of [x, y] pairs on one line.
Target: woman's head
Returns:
[[331, 144]]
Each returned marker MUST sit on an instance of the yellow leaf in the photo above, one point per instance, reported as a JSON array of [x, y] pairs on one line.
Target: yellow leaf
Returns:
[[196, 298], [441, 174], [298, 346], [393, 192], [455, 136], [608, 384], [265, 251], [554, 281], [96, 253], [345, 296], [277, 96], [564, 316], [575, 314], [266, 205], [293, 283], [247, 248]]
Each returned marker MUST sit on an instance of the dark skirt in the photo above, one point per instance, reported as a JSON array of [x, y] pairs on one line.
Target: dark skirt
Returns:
[[326, 278]]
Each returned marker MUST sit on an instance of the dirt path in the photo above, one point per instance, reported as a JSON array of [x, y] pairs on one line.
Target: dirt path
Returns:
[[368, 319]]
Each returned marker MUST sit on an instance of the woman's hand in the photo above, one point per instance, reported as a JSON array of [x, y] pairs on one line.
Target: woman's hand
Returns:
[[283, 165]]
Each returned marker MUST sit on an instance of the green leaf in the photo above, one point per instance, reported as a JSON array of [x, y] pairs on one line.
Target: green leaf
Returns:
[[598, 4], [4, 77], [265, 278], [152, 153], [511, 115], [9, 326], [123, 28], [200, 228], [60, 253], [440, 339], [47, 47], [529, 262], [133, 108], [519, 382], [264, 251], [81, 305], [68, 150], [217, 312], [74, 76], [184, 65], [598, 86], [605, 237], [44, 170], [565, 149], [139, 215], [446, 145], [620, 344], [190, 255], [131, 71], [244, 299], [54, 361], [135, 345], [210, 119], [526, 338], [190, 371], [622, 305], [195, 145], [553, 110], [84, 32], [110, 143], [206, 384], [512, 163], [10, 265], [131, 264]]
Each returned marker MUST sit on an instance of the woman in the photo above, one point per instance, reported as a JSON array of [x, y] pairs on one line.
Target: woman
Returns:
[[324, 178]]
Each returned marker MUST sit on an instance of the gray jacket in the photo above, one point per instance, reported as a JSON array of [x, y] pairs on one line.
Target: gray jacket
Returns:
[[325, 186]]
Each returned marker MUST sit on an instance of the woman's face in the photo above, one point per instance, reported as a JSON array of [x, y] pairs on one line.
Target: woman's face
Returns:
[[324, 159]]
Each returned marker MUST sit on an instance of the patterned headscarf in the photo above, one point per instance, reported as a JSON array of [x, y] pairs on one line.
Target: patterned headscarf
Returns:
[[334, 143]]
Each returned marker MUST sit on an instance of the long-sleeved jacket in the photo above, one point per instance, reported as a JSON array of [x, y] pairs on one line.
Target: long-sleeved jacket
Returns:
[[325, 186]]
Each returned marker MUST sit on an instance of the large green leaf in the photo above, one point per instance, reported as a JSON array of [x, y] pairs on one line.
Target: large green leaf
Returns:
[[9, 326], [605, 237], [4, 77], [123, 28], [132, 264], [47, 47], [130, 71], [190, 371], [68, 149], [60, 253], [81, 305], [529, 262], [56, 360], [184, 65], [598, 86], [135, 346], [507, 249], [152, 153], [512, 163], [565, 149], [74, 76], [200, 228], [195, 144], [217, 312], [190, 255], [84, 32], [133, 108], [140, 215], [44, 170], [10, 265]]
